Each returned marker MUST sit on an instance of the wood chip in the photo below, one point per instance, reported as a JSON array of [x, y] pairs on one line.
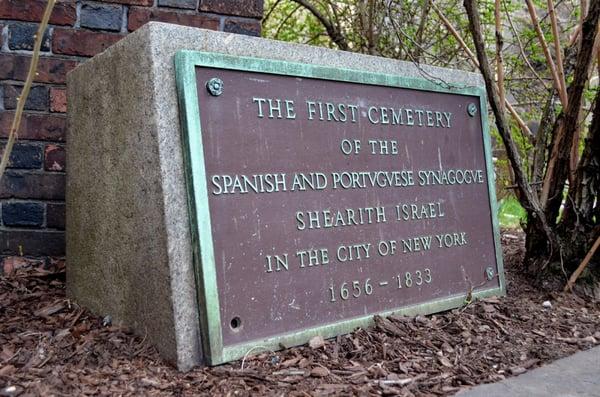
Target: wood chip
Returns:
[[59, 349], [50, 310], [445, 362], [316, 342], [7, 370], [319, 372]]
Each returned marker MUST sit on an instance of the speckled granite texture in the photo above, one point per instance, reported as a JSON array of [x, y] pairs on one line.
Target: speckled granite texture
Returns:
[[128, 238]]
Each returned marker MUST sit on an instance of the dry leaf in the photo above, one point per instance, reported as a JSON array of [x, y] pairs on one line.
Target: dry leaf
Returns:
[[319, 372]]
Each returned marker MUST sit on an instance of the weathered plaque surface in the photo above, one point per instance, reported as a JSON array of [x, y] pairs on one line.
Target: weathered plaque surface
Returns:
[[323, 196]]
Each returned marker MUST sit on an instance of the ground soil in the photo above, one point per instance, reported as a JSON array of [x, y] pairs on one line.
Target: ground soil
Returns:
[[50, 346]]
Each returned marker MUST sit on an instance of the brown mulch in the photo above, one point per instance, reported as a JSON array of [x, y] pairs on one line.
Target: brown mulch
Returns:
[[50, 346]]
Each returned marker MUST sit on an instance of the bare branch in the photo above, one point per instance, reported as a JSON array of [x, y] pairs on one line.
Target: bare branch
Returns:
[[557, 47], [584, 6], [412, 56], [284, 21], [273, 7], [336, 36], [582, 266], [371, 36], [499, 60], [455, 33], [39, 38], [461, 42], [579, 208], [580, 120], [541, 141], [527, 197], [575, 35], [520, 45], [422, 23], [536, 24], [558, 164]]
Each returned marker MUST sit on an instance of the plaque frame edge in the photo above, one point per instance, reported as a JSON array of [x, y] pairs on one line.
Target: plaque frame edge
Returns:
[[186, 61]]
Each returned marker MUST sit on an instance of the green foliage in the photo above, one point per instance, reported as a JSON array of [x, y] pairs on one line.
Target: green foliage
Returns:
[[396, 29], [510, 213], [289, 21]]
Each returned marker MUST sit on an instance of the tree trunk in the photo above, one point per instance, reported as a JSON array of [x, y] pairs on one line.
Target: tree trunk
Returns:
[[550, 238], [543, 238], [566, 124], [580, 223]]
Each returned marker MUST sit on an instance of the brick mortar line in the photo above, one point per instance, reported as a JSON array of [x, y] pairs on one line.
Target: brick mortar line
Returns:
[[22, 172], [236, 18], [25, 200], [38, 112], [9, 229], [16, 172], [5, 38], [125, 19], [169, 8], [31, 257], [61, 57], [188, 11], [93, 30], [21, 83], [36, 141], [49, 172], [232, 17], [77, 23]]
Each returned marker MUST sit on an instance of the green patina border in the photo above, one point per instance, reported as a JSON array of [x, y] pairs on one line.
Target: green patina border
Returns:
[[204, 261]]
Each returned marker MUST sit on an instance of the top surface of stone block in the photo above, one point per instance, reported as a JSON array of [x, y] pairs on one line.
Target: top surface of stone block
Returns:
[[166, 39]]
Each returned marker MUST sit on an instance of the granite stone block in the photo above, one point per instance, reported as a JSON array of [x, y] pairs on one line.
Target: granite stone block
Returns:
[[128, 235]]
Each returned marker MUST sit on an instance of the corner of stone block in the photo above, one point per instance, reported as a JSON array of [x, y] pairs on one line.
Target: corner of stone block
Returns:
[[187, 365]]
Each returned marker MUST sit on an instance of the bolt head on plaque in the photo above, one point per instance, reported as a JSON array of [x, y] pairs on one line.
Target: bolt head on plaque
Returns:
[[472, 109], [489, 273], [215, 86]]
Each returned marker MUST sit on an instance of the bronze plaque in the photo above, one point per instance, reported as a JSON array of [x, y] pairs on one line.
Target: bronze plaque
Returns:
[[327, 196]]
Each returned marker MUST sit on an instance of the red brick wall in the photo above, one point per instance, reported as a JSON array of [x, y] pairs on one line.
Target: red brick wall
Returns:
[[32, 192]]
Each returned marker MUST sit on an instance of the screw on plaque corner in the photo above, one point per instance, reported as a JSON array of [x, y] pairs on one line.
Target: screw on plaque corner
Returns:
[[472, 109], [215, 86], [489, 273]]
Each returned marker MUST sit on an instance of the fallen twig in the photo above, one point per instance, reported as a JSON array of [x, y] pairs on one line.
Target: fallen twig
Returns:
[[582, 266]]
